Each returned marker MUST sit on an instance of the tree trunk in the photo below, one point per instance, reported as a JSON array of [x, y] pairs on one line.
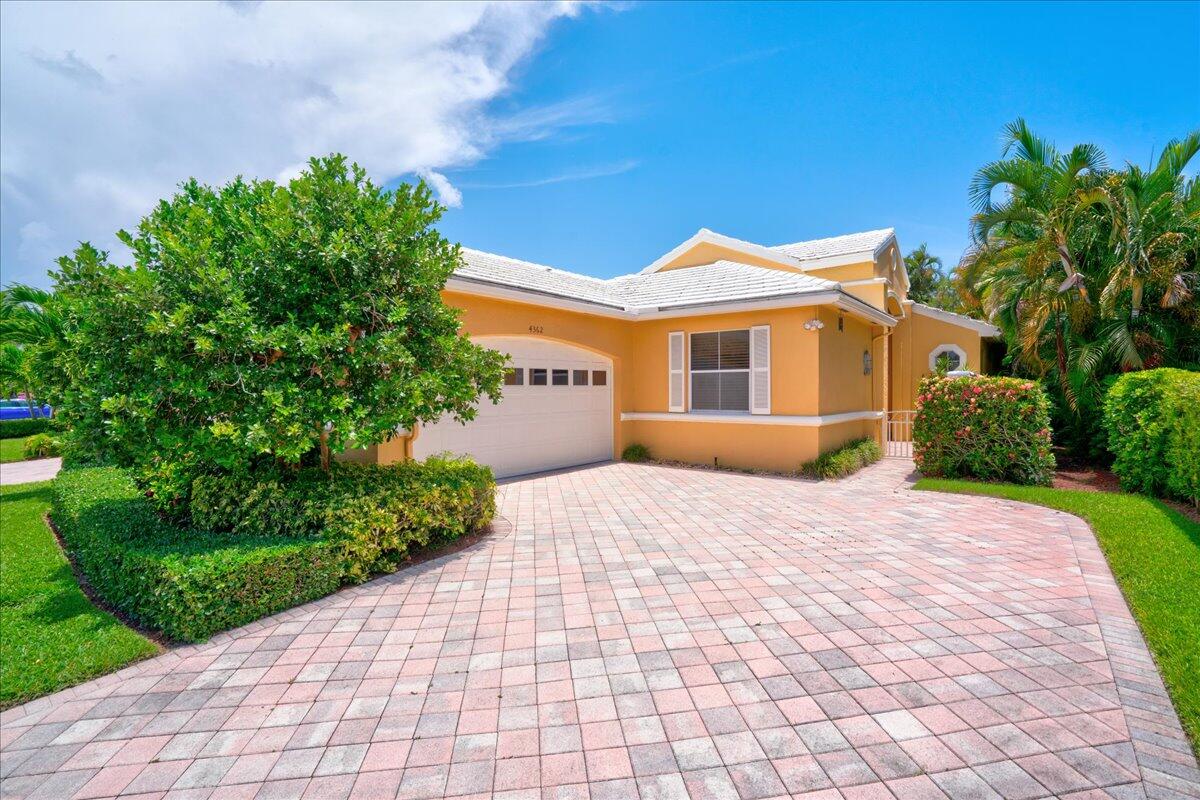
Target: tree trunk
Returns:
[[29, 401], [325, 457], [1060, 348]]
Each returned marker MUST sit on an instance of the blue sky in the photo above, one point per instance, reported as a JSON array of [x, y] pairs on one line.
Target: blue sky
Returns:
[[778, 122], [591, 138]]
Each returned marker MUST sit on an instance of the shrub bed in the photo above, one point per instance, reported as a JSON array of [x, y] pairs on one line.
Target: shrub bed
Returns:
[[988, 428], [20, 428], [278, 543], [845, 460], [189, 584], [1153, 424], [373, 515], [636, 453], [40, 445]]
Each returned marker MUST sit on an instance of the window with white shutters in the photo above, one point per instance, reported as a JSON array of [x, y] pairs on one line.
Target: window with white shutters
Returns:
[[720, 371], [675, 371], [760, 369]]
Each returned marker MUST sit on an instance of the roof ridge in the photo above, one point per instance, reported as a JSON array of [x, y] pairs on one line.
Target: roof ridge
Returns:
[[538, 265], [888, 230]]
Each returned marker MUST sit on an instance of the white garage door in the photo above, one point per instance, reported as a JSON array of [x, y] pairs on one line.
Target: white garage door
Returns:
[[556, 412]]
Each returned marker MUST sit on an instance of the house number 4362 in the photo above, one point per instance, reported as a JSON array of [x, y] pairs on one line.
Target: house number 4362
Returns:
[[535, 328]]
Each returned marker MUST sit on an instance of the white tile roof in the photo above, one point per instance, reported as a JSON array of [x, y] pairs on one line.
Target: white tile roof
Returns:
[[504, 271], [865, 242], [722, 281]]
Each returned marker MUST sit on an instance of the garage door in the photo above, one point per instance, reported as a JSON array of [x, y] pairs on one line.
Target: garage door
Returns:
[[556, 412]]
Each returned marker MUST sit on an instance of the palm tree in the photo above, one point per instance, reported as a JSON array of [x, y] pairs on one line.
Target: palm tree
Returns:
[[29, 328], [1022, 255], [924, 273], [27, 315], [1155, 217]]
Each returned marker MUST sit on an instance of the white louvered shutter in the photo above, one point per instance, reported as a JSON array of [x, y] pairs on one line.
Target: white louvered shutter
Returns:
[[760, 369], [675, 371]]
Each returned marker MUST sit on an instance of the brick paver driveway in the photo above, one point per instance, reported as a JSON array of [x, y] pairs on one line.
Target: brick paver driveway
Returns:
[[644, 630]]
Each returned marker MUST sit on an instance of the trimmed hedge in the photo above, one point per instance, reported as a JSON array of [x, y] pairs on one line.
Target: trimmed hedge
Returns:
[[40, 445], [188, 584], [259, 546], [845, 460], [1153, 423], [20, 428], [374, 515], [988, 428]]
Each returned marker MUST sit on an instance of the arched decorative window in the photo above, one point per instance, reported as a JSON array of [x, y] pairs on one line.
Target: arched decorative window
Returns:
[[950, 357]]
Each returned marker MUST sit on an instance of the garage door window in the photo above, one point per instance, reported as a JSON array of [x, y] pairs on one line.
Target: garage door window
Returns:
[[599, 377], [537, 377], [720, 373], [558, 377], [581, 377], [514, 376]]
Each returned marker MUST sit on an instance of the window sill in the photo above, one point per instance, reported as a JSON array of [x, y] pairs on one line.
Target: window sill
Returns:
[[738, 418]]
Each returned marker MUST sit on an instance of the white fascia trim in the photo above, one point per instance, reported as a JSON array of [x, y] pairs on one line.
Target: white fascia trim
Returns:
[[982, 328], [852, 305], [879, 248], [816, 421], [532, 297], [705, 236], [863, 282], [843, 260], [730, 306]]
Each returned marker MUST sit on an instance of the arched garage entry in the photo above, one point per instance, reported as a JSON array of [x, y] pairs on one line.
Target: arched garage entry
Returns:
[[556, 412]]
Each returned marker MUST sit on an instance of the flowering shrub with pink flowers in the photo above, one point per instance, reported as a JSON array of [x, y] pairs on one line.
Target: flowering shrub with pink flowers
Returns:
[[992, 429]]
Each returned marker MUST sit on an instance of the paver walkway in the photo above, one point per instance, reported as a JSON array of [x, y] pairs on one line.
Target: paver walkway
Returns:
[[39, 469], [635, 630]]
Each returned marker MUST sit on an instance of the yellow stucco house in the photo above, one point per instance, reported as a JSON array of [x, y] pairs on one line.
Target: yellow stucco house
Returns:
[[720, 351]]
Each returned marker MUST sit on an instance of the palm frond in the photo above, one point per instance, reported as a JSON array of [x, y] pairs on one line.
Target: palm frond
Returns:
[[1025, 144]]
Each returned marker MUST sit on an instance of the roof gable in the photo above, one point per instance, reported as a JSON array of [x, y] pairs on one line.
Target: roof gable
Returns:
[[731, 248], [838, 250]]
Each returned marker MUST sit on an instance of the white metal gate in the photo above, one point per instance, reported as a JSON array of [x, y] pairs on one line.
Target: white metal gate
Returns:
[[898, 434]]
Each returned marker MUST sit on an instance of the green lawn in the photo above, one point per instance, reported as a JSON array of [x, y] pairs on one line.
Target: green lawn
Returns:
[[1154, 552], [51, 636], [11, 450]]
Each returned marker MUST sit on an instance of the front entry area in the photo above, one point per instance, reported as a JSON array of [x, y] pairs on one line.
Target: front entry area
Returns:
[[556, 412]]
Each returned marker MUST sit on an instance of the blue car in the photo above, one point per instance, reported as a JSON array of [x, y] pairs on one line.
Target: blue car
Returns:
[[19, 409]]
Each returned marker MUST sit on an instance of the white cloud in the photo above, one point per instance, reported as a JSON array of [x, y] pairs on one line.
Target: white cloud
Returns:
[[584, 174], [446, 193], [107, 106]]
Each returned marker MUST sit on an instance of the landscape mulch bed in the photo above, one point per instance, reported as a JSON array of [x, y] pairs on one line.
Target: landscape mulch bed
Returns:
[[1096, 479]]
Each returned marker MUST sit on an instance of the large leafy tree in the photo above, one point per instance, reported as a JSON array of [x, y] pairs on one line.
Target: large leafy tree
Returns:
[[1088, 270], [265, 324]]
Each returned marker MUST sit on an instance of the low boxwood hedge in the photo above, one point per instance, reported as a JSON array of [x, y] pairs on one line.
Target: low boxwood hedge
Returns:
[[20, 428], [988, 428], [374, 515], [845, 460], [1153, 423], [258, 546], [186, 583]]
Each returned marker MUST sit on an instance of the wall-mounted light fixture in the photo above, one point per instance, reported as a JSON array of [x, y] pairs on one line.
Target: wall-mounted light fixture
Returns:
[[867, 362], [814, 325]]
